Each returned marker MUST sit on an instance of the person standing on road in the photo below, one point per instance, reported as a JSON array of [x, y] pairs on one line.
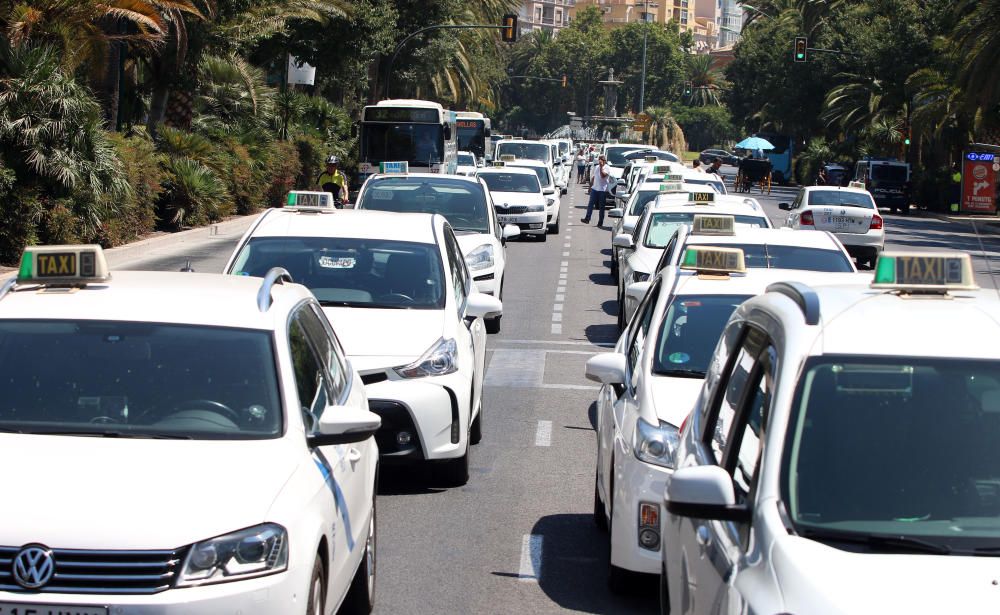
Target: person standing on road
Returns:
[[696, 165], [598, 191], [716, 165], [581, 165]]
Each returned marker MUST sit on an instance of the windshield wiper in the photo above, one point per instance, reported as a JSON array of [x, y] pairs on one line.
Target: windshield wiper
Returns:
[[353, 304], [112, 434], [681, 373], [880, 541]]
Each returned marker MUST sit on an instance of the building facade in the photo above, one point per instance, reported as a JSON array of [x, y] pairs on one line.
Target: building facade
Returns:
[[549, 15], [730, 22]]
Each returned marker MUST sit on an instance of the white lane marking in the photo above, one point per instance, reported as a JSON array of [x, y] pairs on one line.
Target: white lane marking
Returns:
[[520, 368], [562, 276], [560, 297], [556, 330], [531, 558], [543, 436], [556, 316], [565, 253], [570, 387], [558, 307], [571, 343]]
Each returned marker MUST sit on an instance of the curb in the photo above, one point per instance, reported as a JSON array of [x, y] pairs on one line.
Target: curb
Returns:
[[988, 224]]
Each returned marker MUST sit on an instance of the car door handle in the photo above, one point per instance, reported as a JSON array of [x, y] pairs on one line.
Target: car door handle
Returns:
[[353, 455]]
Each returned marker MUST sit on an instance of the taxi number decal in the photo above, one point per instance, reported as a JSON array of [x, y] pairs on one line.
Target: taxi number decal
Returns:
[[58, 265], [928, 270], [723, 261]]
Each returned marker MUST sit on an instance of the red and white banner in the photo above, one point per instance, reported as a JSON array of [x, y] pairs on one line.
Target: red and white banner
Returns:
[[979, 183]]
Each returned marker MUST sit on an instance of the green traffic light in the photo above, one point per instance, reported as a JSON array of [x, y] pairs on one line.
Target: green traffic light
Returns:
[[907, 141], [800, 55]]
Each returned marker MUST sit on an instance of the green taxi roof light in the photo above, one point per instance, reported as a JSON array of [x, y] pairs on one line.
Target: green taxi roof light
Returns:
[[924, 272], [27, 269], [690, 258], [63, 265], [291, 199], [885, 270]]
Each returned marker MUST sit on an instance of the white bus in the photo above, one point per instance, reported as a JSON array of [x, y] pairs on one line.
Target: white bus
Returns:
[[473, 133], [418, 132]]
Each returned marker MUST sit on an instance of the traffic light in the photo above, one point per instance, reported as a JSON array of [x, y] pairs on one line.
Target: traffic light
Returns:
[[564, 80], [687, 88], [508, 33], [801, 49]]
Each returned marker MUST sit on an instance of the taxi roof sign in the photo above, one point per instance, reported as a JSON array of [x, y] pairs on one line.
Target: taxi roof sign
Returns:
[[508, 157], [66, 265], [713, 224], [672, 187], [661, 169], [701, 197], [711, 259], [856, 185], [650, 158], [307, 200], [673, 177], [923, 272], [394, 168], [499, 163]]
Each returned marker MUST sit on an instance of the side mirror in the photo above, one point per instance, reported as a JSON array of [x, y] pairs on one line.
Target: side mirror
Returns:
[[704, 492], [564, 191], [617, 212], [629, 226], [479, 305], [636, 291], [606, 368], [784, 206], [548, 191], [447, 132], [621, 182], [344, 425], [622, 240], [510, 231]]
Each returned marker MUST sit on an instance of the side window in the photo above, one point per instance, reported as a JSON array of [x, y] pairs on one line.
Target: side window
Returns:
[[637, 231], [668, 252], [310, 377], [640, 326], [729, 398], [322, 337], [459, 274]]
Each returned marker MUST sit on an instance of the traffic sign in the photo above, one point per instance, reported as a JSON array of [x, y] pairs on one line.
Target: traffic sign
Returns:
[[979, 183], [641, 123]]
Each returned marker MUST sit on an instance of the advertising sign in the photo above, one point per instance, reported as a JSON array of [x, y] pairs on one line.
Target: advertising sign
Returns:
[[300, 73], [979, 183]]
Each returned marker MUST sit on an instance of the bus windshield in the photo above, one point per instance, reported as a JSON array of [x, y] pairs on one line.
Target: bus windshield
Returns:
[[418, 144], [472, 137], [530, 151]]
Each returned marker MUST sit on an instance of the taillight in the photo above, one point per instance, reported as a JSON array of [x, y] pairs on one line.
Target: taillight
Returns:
[[806, 219], [876, 224]]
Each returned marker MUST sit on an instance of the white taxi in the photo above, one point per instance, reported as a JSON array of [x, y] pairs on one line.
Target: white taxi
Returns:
[[639, 251], [518, 198], [804, 481], [400, 293], [468, 165], [848, 212], [553, 198], [467, 205], [649, 384], [198, 444]]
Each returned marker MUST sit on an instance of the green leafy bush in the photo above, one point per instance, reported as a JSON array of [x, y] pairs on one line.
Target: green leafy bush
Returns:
[[194, 194], [144, 167]]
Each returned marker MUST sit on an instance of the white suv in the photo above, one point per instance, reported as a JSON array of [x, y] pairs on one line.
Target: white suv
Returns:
[[196, 444]]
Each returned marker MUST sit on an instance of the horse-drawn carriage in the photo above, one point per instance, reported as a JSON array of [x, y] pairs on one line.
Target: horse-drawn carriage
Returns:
[[754, 172]]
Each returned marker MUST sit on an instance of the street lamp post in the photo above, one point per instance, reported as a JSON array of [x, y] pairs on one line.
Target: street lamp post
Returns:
[[645, 33]]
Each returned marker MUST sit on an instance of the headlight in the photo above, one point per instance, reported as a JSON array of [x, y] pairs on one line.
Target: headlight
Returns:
[[655, 444], [480, 258], [536, 208], [440, 359], [638, 276], [549, 202], [253, 552]]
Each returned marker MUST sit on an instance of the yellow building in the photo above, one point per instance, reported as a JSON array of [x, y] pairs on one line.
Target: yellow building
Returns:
[[619, 12]]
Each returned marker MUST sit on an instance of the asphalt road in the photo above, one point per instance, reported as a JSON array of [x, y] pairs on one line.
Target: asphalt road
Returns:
[[519, 538]]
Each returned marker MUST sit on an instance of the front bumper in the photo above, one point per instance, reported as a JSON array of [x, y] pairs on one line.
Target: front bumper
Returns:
[[278, 594], [486, 280], [431, 410], [530, 223], [636, 482]]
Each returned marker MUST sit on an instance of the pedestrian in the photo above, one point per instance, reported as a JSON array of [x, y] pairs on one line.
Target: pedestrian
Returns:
[[696, 165], [822, 179], [598, 191], [956, 188], [715, 166], [581, 165]]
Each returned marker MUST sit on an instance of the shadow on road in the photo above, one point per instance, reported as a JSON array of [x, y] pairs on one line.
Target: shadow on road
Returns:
[[411, 479], [610, 307], [602, 334], [603, 279]]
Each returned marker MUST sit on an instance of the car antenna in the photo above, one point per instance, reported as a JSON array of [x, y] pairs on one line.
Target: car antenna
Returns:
[[989, 267]]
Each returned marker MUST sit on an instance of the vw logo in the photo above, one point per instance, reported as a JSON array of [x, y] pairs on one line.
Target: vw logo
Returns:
[[34, 566]]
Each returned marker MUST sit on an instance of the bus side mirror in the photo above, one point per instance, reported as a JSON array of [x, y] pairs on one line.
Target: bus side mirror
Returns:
[[447, 132]]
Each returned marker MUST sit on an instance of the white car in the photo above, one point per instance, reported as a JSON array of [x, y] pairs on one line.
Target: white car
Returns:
[[553, 199], [196, 444], [639, 251], [468, 165], [849, 213], [839, 458], [560, 166], [468, 207], [614, 153], [649, 384], [398, 290], [518, 199]]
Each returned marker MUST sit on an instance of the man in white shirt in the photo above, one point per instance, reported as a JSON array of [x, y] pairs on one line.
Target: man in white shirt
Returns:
[[598, 191]]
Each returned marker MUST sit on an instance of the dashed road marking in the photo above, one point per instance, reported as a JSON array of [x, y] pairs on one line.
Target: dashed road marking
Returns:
[[556, 328], [557, 316], [543, 435]]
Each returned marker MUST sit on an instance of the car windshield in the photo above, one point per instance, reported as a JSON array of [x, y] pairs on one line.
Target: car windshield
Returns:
[[662, 225], [895, 173], [641, 200], [544, 178], [689, 332], [718, 186], [616, 155], [764, 256], [462, 202], [929, 427], [529, 151], [841, 198], [466, 160], [138, 380], [342, 271], [511, 182]]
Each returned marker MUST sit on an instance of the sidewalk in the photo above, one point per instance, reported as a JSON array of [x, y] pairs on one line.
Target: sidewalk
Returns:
[[986, 223], [166, 244]]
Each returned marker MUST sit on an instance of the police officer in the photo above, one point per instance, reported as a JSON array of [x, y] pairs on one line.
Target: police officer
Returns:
[[333, 181]]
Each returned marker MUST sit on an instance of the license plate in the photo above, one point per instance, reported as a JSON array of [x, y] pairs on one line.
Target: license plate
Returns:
[[17, 608], [506, 219], [842, 221]]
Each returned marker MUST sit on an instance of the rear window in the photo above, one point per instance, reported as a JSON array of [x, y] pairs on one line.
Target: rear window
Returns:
[[511, 182], [841, 198], [529, 151], [762, 256], [463, 203], [616, 156], [466, 160], [889, 173]]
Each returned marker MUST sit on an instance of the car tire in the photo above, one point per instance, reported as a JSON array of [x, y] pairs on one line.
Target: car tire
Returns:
[[600, 518], [492, 324], [455, 472], [664, 592], [543, 237], [476, 431], [316, 604], [360, 599], [554, 228], [614, 262]]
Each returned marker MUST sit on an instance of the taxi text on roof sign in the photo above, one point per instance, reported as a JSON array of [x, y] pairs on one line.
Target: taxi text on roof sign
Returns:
[[713, 260], [396, 168], [711, 224], [651, 158], [70, 265], [508, 157], [701, 197], [856, 185], [660, 169], [309, 199], [673, 177], [672, 187], [499, 163], [924, 272]]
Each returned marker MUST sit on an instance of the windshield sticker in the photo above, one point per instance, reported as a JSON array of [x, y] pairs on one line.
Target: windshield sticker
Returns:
[[679, 357], [382, 195], [330, 262], [425, 198]]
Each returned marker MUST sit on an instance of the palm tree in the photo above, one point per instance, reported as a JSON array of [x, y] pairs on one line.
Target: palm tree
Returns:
[[855, 103], [664, 131], [977, 37], [707, 82]]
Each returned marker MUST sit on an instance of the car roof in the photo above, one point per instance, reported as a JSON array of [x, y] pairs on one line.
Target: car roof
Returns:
[[822, 240], [207, 299], [509, 168], [841, 188], [361, 223], [438, 176], [962, 324], [724, 204], [468, 153], [753, 282], [527, 162]]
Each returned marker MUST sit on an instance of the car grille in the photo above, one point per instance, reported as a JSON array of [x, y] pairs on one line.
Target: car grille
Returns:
[[100, 572], [515, 209]]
